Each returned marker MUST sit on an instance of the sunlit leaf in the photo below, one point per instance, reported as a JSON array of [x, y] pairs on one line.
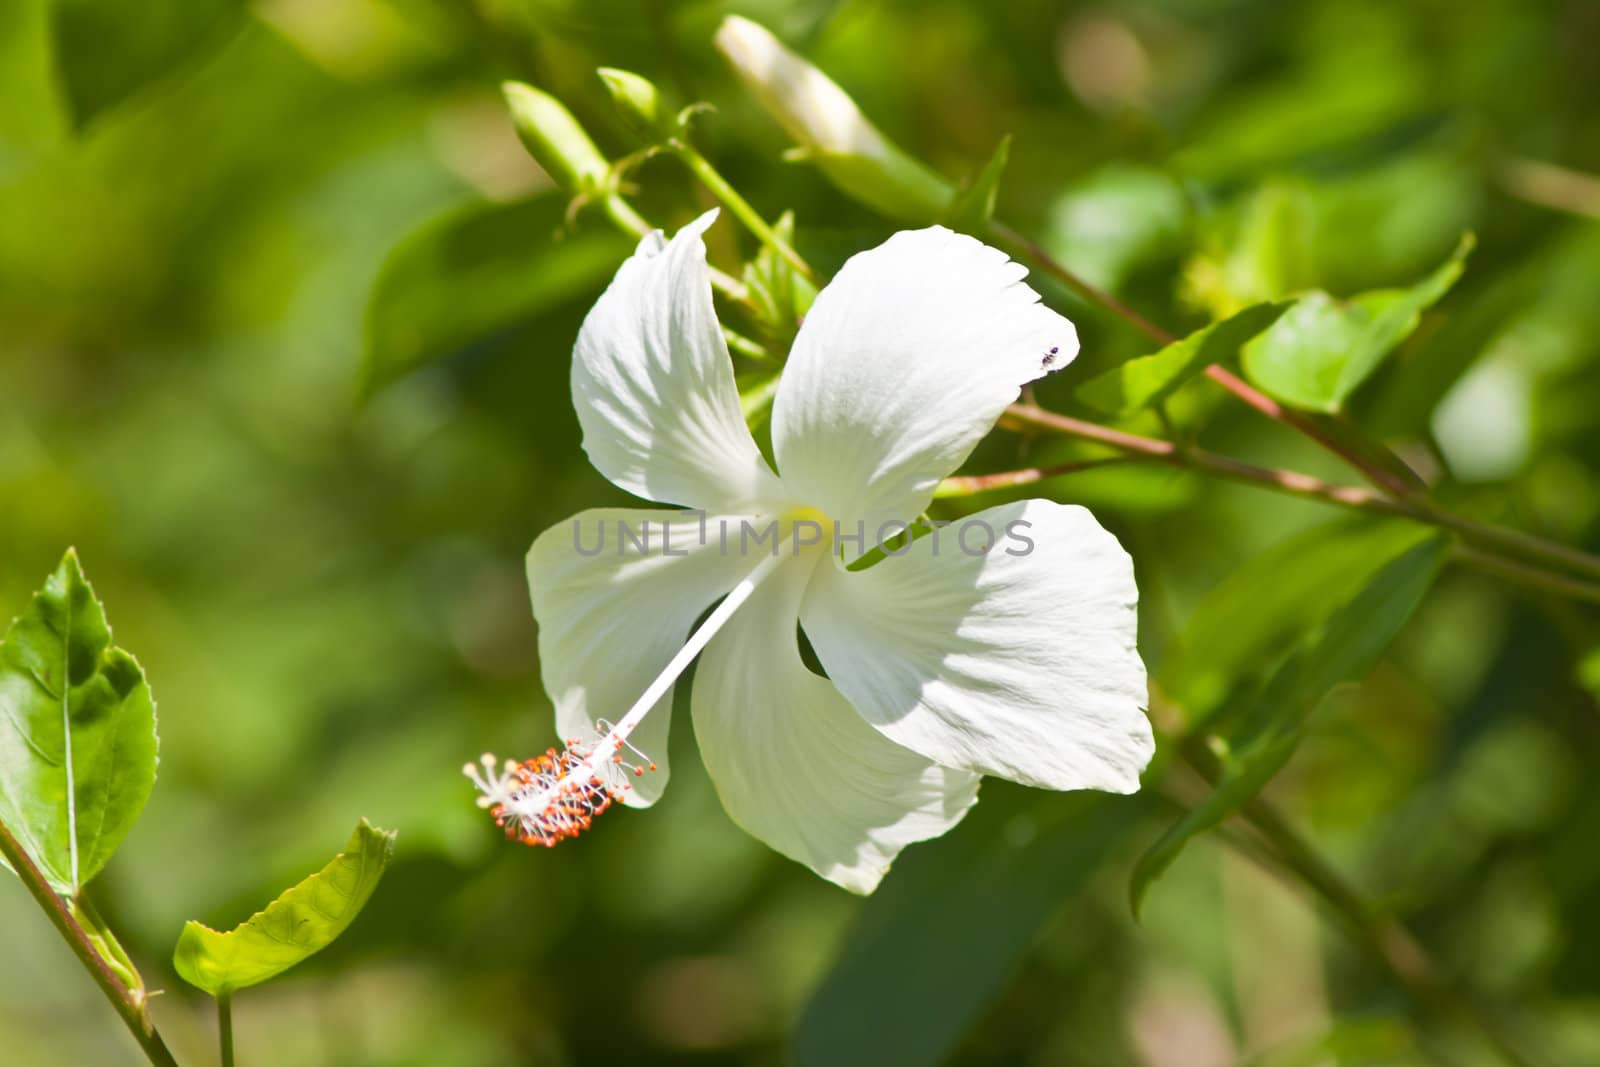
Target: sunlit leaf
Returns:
[[939, 938], [1316, 355], [107, 50], [303, 921], [1270, 729], [1148, 380], [77, 732], [1261, 251], [476, 272]]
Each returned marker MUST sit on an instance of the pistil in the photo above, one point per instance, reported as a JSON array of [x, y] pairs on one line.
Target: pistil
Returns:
[[557, 795]]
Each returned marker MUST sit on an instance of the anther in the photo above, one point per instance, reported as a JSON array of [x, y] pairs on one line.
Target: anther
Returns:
[[557, 794]]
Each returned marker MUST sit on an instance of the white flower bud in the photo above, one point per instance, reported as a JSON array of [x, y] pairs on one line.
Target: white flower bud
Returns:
[[830, 128]]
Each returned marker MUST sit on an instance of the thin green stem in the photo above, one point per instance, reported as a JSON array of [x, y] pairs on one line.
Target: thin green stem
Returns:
[[225, 1027], [626, 219], [1384, 937], [1028, 248], [1551, 186], [621, 212], [129, 1005], [738, 205], [106, 943], [1517, 542], [1396, 495], [740, 345], [1387, 940], [1383, 472], [1378, 474], [1531, 576], [1152, 448], [1356, 498], [967, 485]]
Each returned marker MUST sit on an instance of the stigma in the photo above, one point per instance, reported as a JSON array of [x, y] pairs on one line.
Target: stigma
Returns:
[[557, 794]]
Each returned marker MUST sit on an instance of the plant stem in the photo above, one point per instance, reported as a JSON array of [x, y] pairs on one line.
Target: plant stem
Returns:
[[626, 219], [729, 196], [225, 1026], [1516, 541], [740, 345], [1398, 492], [967, 485], [1283, 481], [1306, 425], [1304, 485], [105, 943], [128, 1006], [1533, 577], [1377, 474], [621, 212], [1384, 938], [1033, 250], [1552, 186]]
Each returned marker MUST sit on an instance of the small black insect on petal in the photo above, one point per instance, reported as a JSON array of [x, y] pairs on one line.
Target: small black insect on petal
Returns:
[[1050, 356]]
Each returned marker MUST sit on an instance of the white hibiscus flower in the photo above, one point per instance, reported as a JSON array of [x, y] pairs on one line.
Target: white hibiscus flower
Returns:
[[1007, 649]]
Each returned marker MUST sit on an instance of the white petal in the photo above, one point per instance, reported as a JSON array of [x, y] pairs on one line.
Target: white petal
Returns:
[[793, 762], [905, 361], [1020, 663], [653, 384], [610, 620]]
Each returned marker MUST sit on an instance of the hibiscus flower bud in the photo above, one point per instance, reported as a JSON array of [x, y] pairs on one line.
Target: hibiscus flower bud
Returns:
[[831, 130], [554, 139]]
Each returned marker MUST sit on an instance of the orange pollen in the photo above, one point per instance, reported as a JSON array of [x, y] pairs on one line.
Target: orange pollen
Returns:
[[555, 795]]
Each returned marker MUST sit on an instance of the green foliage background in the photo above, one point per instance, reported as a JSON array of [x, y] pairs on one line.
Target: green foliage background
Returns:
[[321, 573]]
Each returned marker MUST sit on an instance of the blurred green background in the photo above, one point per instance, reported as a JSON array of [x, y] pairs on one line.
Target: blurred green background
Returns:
[[227, 232]]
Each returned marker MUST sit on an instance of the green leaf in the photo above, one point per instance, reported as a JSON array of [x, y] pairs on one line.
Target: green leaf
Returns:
[[973, 207], [107, 50], [303, 921], [77, 733], [782, 295], [944, 932], [1246, 624], [1262, 253], [1140, 383], [476, 272], [1270, 728], [1323, 349]]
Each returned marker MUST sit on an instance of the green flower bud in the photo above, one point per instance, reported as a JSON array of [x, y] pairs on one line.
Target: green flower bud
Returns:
[[555, 140], [639, 101], [831, 130]]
